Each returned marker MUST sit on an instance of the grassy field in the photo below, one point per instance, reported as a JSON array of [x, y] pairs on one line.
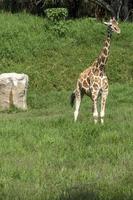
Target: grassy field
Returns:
[[44, 155]]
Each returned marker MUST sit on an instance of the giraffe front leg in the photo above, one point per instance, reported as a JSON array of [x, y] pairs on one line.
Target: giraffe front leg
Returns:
[[103, 104], [95, 112]]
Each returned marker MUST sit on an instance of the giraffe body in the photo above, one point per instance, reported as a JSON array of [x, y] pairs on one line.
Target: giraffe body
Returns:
[[93, 81]]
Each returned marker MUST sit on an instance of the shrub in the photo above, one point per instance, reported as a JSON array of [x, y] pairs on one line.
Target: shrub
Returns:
[[56, 14]]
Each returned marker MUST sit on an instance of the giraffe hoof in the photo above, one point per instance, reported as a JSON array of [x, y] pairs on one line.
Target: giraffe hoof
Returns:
[[95, 121], [102, 121]]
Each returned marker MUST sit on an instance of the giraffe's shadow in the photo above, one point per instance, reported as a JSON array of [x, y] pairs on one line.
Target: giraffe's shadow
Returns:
[[87, 192], [79, 193]]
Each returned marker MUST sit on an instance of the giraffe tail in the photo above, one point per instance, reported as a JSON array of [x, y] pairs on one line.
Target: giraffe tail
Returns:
[[72, 98]]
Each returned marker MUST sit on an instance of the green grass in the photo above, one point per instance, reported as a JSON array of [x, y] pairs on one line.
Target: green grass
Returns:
[[44, 155]]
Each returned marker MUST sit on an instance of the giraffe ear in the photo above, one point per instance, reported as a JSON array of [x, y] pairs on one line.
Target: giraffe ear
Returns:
[[113, 18], [107, 23]]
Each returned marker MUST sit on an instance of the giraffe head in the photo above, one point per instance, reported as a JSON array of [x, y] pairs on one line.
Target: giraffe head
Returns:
[[113, 25]]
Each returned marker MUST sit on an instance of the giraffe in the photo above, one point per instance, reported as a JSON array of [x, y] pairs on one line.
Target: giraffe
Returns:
[[93, 81]]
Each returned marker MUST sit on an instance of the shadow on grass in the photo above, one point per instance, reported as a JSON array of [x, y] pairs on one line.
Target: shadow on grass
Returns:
[[87, 193], [79, 193]]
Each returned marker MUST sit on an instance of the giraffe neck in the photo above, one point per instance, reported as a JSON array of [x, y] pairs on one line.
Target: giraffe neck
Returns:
[[103, 57]]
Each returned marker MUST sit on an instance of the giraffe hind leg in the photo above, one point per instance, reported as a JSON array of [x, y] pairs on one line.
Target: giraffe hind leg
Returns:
[[95, 110], [77, 103], [103, 104]]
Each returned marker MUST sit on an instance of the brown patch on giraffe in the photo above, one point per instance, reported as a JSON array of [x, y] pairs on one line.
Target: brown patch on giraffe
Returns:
[[101, 74], [106, 86], [95, 86], [108, 40], [89, 72], [105, 83], [106, 44], [105, 51], [93, 70], [97, 64], [91, 80], [98, 80], [94, 63], [103, 58], [88, 80], [99, 60], [96, 72], [85, 84], [85, 76], [101, 67]]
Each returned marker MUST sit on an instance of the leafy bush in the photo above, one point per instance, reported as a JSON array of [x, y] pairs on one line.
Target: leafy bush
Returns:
[[60, 28], [56, 14]]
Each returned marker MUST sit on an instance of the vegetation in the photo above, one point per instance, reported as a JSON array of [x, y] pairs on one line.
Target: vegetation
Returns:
[[44, 155], [56, 14], [32, 45], [122, 9]]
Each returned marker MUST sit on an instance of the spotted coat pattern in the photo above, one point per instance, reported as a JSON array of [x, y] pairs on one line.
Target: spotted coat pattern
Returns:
[[93, 80]]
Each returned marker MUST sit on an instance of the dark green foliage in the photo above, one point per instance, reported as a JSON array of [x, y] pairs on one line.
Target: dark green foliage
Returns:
[[56, 17], [77, 8], [56, 14]]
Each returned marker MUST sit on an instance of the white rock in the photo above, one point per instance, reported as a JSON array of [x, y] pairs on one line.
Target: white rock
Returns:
[[13, 90]]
